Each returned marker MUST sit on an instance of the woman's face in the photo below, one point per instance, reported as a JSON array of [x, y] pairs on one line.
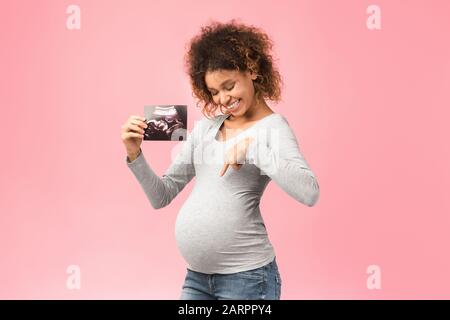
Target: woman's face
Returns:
[[232, 89]]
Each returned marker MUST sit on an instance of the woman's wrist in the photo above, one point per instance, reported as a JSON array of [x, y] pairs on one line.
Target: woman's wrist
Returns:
[[133, 155]]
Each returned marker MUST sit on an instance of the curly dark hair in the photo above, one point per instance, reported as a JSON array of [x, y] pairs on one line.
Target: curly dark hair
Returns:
[[232, 46]]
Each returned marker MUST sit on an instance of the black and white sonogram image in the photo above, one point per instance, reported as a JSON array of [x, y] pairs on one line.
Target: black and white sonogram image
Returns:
[[166, 122]]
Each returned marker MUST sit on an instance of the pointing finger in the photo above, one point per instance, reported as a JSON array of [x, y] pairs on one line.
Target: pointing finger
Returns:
[[224, 169]]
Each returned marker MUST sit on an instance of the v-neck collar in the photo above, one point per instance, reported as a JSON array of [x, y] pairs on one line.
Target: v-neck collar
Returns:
[[225, 116]]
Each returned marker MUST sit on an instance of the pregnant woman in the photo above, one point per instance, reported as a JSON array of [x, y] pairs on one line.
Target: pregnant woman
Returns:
[[233, 155]]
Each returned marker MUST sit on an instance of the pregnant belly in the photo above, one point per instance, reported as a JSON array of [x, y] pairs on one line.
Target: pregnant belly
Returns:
[[205, 233]]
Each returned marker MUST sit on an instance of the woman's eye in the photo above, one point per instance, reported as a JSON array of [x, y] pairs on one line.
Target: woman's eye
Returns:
[[228, 89]]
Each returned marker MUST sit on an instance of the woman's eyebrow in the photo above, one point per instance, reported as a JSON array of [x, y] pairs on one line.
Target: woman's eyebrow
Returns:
[[222, 84]]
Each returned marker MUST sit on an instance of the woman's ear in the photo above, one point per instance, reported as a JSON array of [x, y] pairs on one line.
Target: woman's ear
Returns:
[[252, 75]]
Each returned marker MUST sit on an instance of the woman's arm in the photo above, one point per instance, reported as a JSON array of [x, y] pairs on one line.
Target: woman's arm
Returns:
[[279, 157], [160, 191]]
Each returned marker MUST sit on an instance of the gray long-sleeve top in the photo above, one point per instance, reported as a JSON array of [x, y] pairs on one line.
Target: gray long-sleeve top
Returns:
[[219, 228]]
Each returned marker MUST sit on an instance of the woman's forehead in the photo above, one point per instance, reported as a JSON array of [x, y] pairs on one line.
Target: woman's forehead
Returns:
[[219, 76]]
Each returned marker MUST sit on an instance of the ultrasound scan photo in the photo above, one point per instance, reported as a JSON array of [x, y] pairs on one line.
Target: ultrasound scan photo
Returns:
[[165, 122]]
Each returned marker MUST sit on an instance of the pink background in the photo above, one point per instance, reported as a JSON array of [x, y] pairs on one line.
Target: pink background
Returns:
[[369, 108]]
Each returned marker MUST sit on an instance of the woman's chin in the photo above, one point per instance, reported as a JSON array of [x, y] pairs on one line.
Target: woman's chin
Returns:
[[238, 110]]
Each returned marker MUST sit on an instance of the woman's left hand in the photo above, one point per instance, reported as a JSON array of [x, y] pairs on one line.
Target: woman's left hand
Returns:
[[236, 155]]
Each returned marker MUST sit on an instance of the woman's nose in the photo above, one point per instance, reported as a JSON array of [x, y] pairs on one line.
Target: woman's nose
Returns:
[[224, 99]]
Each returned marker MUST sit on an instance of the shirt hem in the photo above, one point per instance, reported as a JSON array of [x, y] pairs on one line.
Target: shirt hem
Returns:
[[237, 269]]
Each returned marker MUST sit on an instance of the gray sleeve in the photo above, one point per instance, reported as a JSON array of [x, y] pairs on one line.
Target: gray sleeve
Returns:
[[278, 156], [160, 191]]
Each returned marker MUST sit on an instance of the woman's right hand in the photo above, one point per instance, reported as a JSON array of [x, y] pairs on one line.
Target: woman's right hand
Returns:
[[132, 134]]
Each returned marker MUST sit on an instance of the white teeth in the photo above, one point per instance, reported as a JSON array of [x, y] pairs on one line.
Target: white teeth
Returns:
[[234, 104]]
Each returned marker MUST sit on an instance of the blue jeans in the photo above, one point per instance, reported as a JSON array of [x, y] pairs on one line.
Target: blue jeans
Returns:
[[262, 283]]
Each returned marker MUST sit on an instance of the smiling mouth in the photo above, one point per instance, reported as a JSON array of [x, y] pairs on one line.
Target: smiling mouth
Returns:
[[234, 105]]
